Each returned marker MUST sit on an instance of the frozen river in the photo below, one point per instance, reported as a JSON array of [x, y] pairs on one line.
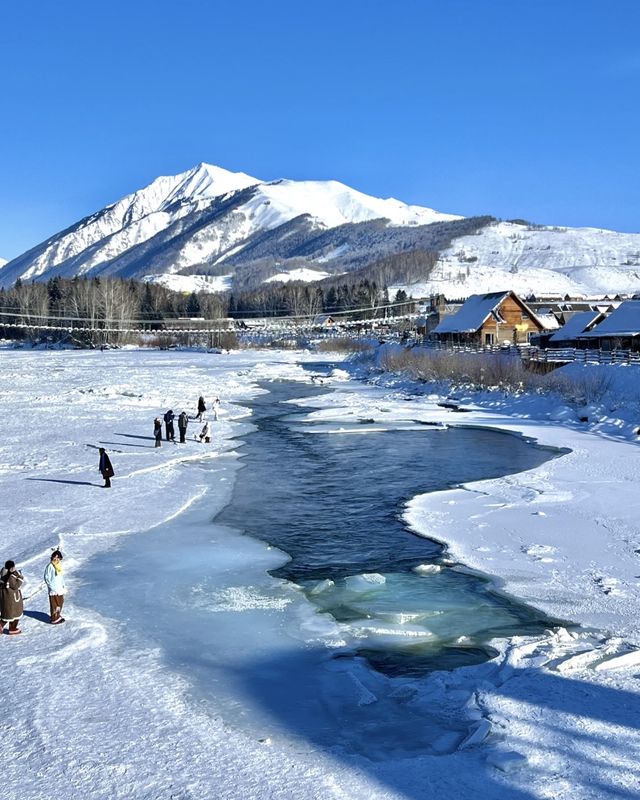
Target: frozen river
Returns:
[[307, 599]]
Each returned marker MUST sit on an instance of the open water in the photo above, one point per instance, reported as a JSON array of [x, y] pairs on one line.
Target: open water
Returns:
[[305, 605]]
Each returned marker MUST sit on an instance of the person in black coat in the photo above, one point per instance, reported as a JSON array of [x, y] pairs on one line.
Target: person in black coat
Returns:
[[168, 423], [201, 407], [104, 465], [183, 421]]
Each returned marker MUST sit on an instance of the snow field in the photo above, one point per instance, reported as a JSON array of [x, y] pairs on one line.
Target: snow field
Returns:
[[100, 714]]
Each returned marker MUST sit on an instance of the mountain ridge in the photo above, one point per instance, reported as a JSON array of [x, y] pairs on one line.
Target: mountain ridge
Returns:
[[208, 223]]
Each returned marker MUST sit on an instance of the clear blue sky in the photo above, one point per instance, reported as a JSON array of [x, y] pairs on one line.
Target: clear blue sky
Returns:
[[506, 107]]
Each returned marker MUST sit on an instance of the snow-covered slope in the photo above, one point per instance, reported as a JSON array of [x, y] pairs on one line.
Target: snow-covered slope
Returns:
[[132, 220], [542, 260], [198, 218], [190, 229], [303, 275], [332, 204]]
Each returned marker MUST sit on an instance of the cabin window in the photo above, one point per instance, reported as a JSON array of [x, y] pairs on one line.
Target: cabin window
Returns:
[[488, 338]]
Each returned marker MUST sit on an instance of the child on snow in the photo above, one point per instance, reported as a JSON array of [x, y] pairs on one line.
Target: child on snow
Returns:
[[205, 433]]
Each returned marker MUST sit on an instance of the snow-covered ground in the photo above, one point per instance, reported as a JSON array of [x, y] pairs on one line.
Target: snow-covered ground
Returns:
[[93, 712]]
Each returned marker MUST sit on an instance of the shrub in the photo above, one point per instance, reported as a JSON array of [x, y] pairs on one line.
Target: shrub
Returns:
[[344, 345]]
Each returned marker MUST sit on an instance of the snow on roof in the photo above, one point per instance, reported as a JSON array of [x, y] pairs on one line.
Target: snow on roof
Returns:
[[549, 321], [624, 321], [575, 325], [472, 314]]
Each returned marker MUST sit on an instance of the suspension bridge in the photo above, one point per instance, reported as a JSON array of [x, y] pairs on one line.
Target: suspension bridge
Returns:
[[364, 322]]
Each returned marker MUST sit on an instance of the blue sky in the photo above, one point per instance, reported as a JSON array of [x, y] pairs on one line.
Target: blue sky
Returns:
[[506, 107]]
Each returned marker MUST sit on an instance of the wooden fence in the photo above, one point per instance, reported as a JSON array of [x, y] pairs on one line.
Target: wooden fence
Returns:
[[546, 355]]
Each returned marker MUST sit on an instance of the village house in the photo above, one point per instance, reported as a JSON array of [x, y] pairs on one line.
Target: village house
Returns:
[[496, 318], [324, 321], [620, 330], [577, 324]]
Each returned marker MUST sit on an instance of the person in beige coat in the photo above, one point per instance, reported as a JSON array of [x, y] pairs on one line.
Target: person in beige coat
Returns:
[[11, 603]]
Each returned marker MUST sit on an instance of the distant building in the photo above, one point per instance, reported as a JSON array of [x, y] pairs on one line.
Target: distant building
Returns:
[[490, 319], [324, 321], [620, 330], [579, 323]]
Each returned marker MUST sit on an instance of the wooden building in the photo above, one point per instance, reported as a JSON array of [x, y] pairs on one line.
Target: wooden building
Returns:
[[620, 330], [496, 318]]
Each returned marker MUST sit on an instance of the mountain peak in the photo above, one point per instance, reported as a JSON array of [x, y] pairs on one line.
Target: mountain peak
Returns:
[[207, 181]]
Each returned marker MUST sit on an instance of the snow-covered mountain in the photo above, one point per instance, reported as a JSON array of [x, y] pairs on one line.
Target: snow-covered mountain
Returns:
[[212, 229], [198, 219]]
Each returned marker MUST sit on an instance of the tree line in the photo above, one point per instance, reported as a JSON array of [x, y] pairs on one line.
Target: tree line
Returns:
[[107, 302]]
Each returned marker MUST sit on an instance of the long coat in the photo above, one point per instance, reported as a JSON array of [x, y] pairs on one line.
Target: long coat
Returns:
[[105, 466], [11, 595]]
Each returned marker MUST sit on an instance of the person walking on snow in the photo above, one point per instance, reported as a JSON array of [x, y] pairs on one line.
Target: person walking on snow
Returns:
[[157, 431], [215, 407], [56, 587], [11, 604], [183, 421], [168, 423], [104, 465], [201, 408]]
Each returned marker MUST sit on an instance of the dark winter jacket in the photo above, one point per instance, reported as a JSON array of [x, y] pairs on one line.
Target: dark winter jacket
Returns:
[[183, 421], [105, 466], [169, 417], [11, 604], [201, 405]]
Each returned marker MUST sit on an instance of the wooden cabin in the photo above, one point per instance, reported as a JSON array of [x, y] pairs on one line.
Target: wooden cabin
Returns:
[[497, 318], [620, 330]]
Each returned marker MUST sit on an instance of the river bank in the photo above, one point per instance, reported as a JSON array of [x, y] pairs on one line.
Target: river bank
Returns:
[[127, 726]]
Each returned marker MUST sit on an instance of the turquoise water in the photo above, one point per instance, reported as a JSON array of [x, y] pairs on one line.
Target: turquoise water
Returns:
[[333, 503]]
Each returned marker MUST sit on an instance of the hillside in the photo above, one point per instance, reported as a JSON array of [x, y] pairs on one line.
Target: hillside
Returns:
[[535, 259], [214, 230]]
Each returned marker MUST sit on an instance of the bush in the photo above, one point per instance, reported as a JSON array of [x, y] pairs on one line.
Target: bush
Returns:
[[344, 345], [480, 370], [507, 373], [581, 388]]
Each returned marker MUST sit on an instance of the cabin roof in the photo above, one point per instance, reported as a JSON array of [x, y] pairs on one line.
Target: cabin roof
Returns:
[[624, 321], [476, 311], [575, 325]]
